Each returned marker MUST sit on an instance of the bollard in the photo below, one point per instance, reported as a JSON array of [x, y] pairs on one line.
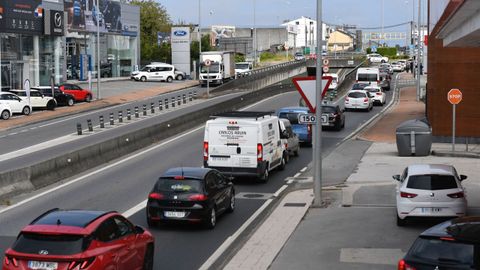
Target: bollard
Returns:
[[173, 102], [144, 109], [111, 119], [79, 129], [89, 124], [136, 112], [190, 97], [129, 115], [120, 116], [195, 94], [184, 97], [160, 105], [152, 107], [166, 104], [179, 100], [102, 123]]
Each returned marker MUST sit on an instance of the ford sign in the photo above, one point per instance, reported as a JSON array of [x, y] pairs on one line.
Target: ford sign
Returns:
[[180, 33]]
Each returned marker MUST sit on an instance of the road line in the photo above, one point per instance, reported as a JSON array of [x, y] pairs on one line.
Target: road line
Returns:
[[279, 191], [226, 244], [303, 170], [297, 174], [289, 181], [130, 212], [98, 171]]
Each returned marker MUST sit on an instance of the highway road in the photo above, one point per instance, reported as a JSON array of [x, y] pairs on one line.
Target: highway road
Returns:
[[123, 185]]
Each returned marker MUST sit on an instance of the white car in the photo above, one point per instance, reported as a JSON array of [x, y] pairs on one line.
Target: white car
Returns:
[[299, 56], [403, 63], [376, 94], [377, 58], [17, 105], [397, 67], [5, 111], [388, 67], [430, 190], [155, 72], [37, 99], [358, 100]]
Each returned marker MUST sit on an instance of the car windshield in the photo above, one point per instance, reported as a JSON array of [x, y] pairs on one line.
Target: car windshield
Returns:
[[291, 116], [241, 66], [53, 244], [446, 252], [178, 186], [431, 182], [214, 68], [145, 69], [357, 95]]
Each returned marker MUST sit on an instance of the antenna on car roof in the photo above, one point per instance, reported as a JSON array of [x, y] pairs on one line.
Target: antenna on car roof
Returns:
[[59, 222]]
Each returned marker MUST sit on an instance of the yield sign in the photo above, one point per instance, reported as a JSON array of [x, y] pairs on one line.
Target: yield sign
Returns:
[[306, 88]]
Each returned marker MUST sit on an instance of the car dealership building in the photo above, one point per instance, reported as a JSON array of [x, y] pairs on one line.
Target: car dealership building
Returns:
[[40, 40]]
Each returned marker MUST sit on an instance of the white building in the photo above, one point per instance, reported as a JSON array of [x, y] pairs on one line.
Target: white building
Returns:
[[302, 32]]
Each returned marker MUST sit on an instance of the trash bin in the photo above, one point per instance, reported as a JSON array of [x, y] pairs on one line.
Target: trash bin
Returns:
[[414, 138]]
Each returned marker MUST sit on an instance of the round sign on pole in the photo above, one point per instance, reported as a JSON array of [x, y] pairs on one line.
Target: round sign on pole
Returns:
[[208, 62], [454, 96], [325, 69], [325, 62]]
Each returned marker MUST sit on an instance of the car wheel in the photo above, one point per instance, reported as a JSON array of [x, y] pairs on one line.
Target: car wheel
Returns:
[[51, 105], [231, 206], [148, 258], [70, 102], [169, 79], [265, 176], [88, 98], [401, 222], [143, 79], [297, 152], [5, 115], [283, 162], [383, 61], [26, 110], [211, 220], [179, 77]]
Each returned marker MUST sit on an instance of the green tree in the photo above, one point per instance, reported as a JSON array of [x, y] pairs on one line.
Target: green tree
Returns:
[[194, 53], [153, 18]]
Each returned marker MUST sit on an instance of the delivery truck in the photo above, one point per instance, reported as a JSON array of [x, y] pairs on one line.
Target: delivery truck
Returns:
[[216, 67]]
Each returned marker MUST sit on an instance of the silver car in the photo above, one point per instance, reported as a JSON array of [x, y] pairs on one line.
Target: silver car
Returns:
[[289, 138]]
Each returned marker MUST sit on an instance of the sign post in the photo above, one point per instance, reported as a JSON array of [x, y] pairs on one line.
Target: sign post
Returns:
[[317, 150], [26, 87], [207, 64], [454, 96]]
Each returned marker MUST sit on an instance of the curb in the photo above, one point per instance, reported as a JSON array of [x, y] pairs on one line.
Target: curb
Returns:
[[455, 154]]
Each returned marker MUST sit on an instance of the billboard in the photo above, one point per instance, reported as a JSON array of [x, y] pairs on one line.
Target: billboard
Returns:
[[180, 40], [21, 16], [54, 22], [83, 15], [221, 31]]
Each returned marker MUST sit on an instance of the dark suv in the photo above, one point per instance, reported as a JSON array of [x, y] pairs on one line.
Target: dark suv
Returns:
[[454, 244]]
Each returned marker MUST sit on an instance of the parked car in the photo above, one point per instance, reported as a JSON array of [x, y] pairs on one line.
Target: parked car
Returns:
[[5, 111], [78, 93], [403, 62], [37, 99], [358, 100], [289, 138], [377, 58], [81, 239], [378, 96], [453, 244], [429, 190], [192, 195], [16, 104], [298, 56], [155, 72], [304, 131], [332, 117], [179, 75], [61, 97]]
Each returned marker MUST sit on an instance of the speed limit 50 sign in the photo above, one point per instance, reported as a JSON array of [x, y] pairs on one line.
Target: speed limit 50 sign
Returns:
[[307, 119]]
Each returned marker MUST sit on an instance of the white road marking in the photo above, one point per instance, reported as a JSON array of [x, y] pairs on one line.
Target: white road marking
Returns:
[[289, 181], [303, 169], [279, 191], [297, 174], [130, 212]]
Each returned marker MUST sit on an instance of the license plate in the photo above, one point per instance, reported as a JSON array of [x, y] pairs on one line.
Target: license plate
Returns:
[[219, 158], [42, 265], [324, 119], [431, 210], [174, 214]]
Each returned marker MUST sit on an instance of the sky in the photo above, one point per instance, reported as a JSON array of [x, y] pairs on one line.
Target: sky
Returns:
[[364, 13]]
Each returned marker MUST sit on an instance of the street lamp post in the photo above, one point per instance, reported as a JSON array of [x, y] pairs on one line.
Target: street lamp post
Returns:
[[98, 52], [199, 31], [254, 33], [418, 48], [317, 143]]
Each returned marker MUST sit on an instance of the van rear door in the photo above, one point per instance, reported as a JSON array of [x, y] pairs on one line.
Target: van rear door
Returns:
[[232, 145]]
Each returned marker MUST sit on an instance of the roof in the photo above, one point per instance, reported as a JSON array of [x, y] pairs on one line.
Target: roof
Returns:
[[294, 109], [244, 114], [187, 172], [465, 229], [418, 169]]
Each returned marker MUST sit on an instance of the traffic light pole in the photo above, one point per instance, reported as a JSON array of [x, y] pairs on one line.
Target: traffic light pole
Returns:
[[317, 143]]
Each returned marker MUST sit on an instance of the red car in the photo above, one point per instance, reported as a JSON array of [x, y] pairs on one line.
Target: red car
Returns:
[[81, 239], [78, 93]]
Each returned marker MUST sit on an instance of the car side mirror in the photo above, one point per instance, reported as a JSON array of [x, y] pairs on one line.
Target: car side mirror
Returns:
[[396, 177], [284, 135], [463, 177], [139, 230]]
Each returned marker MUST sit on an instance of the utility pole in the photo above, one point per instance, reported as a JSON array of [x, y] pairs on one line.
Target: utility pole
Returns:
[[317, 143], [419, 26], [254, 33], [199, 31], [99, 73]]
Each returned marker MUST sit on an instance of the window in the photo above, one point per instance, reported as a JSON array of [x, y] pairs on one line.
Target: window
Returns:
[[178, 186], [211, 182], [431, 182], [107, 231], [292, 117], [448, 252], [124, 227], [328, 109], [53, 244], [367, 77], [35, 94], [357, 95]]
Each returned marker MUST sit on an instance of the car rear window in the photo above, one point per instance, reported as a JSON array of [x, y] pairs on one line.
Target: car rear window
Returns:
[[53, 244], [179, 186], [431, 182], [359, 86], [328, 109], [373, 90], [367, 77], [291, 116], [356, 95], [436, 251]]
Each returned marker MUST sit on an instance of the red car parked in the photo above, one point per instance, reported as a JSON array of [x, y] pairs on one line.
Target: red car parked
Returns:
[[78, 93], [81, 239]]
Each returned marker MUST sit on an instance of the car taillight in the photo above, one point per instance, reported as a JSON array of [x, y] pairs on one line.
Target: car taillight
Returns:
[[197, 197], [309, 130], [13, 261], [456, 195], [80, 264], [402, 265], [259, 152], [365, 100], [378, 94], [407, 195], [347, 99], [156, 196], [286, 145], [205, 151]]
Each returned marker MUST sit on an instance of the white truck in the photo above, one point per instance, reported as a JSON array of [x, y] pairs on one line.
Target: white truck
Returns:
[[221, 68], [244, 143], [243, 69]]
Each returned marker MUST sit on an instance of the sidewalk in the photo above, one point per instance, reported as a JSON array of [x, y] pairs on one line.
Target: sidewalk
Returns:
[[356, 229]]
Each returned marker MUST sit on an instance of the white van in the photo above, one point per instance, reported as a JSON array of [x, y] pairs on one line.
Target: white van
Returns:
[[334, 84], [368, 75], [244, 143], [155, 72]]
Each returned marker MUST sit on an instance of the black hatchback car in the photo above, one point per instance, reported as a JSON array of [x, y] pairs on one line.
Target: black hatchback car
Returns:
[[61, 97], [333, 117], [191, 195], [453, 244]]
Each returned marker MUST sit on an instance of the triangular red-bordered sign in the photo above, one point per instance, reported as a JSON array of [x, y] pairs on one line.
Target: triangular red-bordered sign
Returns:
[[306, 86]]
